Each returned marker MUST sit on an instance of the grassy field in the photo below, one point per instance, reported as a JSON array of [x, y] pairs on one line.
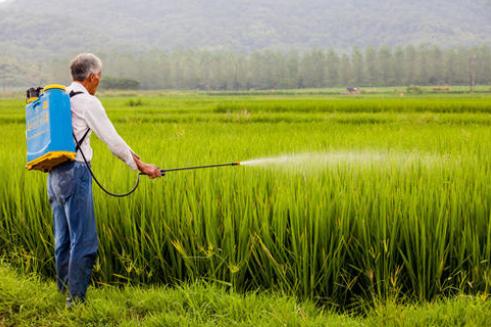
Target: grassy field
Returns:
[[27, 301], [387, 197]]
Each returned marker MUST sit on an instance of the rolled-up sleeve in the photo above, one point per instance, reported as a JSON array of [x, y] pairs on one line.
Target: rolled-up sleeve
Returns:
[[98, 121]]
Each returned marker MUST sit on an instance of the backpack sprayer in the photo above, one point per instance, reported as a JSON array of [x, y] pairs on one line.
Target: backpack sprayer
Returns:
[[50, 138]]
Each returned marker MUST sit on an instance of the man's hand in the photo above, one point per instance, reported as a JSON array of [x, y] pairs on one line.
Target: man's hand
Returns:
[[147, 169]]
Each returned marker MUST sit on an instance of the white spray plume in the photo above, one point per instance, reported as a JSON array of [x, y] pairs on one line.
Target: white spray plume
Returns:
[[345, 158]]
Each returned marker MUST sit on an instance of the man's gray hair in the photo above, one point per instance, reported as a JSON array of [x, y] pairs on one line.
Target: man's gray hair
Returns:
[[85, 64]]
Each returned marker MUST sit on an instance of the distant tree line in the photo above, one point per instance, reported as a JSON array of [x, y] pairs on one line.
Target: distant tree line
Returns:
[[276, 69], [224, 70], [111, 83]]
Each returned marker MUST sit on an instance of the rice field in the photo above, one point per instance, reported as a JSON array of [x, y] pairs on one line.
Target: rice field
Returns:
[[358, 199]]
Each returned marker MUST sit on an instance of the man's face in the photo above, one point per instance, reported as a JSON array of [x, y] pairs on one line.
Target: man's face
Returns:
[[93, 82]]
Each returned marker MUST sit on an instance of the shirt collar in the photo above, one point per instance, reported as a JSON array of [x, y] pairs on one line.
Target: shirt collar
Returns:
[[78, 87]]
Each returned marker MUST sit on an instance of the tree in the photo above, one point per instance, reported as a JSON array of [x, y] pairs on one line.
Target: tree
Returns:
[[423, 74], [346, 70], [358, 67], [371, 71], [332, 64], [112, 83], [312, 69], [484, 65], [411, 65], [385, 68], [269, 69], [435, 66], [450, 75], [399, 65]]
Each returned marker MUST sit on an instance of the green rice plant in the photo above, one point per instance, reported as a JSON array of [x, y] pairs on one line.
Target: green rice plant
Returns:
[[404, 213]]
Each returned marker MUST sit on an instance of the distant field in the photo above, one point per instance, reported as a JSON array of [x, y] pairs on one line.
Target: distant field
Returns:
[[393, 91], [394, 202]]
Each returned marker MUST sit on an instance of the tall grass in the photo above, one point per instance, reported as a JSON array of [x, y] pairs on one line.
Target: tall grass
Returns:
[[336, 234]]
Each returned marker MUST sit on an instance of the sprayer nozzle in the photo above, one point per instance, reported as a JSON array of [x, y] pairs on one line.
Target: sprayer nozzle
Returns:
[[237, 163]]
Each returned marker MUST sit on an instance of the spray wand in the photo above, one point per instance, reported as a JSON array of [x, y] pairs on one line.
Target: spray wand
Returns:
[[237, 163], [162, 171]]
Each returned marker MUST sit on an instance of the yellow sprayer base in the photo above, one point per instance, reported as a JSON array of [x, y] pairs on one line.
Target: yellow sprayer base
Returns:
[[50, 160]]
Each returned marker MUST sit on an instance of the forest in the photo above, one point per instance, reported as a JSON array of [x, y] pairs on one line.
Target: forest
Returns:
[[271, 69]]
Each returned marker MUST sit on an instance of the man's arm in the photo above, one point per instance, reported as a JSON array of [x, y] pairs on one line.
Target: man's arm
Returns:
[[97, 119]]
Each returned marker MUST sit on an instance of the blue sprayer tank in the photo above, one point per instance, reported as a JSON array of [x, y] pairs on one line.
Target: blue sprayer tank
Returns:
[[49, 129]]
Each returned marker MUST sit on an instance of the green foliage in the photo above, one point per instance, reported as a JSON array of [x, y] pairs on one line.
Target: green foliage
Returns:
[[416, 228], [135, 102], [238, 25], [272, 69], [414, 90], [27, 301], [111, 83]]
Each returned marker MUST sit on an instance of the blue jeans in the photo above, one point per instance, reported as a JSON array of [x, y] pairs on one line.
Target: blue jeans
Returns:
[[70, 196]]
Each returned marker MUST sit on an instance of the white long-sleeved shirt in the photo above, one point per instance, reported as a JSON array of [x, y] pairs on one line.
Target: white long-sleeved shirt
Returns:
[[88, 112]]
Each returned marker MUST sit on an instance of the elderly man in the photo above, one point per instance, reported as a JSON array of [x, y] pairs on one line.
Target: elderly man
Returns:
[[70, 184]]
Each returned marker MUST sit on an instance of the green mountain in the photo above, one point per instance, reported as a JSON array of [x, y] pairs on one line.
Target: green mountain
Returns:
[[52, 28], [37, 39]]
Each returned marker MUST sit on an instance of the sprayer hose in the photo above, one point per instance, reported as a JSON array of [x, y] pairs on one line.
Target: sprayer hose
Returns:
[[162, 171], [117, 195]]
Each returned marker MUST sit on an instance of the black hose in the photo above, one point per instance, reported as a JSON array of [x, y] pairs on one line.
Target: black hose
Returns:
[[117, 195], [162, 171]]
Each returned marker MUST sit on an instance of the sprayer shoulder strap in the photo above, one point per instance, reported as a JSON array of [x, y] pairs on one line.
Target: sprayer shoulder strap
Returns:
[[78, 143], [73, 93]]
